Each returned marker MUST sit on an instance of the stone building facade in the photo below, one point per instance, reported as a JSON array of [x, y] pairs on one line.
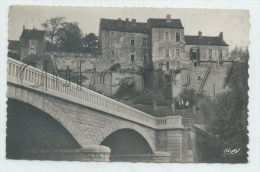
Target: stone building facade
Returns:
[[32, 42], [124, 42], [162, 44]]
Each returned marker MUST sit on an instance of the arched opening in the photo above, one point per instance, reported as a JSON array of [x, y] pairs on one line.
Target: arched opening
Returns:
[[127, 145], [29, 128]]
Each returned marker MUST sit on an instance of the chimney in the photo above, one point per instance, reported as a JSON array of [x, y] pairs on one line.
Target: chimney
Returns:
[[221, 36], [23, 27], [168, 18], [119, 22], [200, 34], [133, 20], [127, 19]]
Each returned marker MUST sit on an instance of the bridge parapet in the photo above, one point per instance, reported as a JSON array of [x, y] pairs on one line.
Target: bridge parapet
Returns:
[[39, 80]]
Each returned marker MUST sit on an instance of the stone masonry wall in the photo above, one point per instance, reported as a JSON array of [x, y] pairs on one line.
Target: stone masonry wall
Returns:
[[121, 49], [159, 44], [213, 84], [94, 71]]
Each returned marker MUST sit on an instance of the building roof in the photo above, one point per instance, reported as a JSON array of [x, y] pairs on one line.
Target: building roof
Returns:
[[32, 34], [161, 23], [123, 26], [133, 26], [14, 44], [204, 40]]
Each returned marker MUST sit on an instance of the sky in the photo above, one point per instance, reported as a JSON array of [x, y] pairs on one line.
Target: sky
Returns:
[[233, 23]]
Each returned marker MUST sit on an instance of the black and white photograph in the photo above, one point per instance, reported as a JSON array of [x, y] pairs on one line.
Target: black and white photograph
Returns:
[[127, 84], [138, 85]]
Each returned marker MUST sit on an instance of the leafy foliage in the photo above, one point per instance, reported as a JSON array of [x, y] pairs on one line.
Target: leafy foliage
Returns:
[[52, 26], [67, 36], [90, 43], [228, 114], [239, 54]]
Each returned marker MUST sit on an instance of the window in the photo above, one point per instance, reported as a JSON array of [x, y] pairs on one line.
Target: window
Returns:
[[194, 54], [195, 64], [32, 50], [167, 52], [177, 52], [112, 34], [132, 41], [220, 55], [166, 36], [112, 52], [112, 43], [210, 54], [32, 42], [112, 61], [132, 57], [145, 42], [178, 37], [167, 65]]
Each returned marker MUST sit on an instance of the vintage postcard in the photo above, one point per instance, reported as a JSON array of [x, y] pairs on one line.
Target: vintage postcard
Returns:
[[110, 84]]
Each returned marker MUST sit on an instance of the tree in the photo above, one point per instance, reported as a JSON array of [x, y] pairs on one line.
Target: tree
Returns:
[[52, 26], [228, 114], [90, 43], [238, 54], [69, 37]]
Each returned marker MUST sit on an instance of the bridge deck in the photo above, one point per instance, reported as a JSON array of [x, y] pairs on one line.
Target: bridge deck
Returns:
[[36, 79]]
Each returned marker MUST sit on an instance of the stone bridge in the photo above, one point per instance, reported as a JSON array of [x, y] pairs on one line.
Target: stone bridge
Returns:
[[101, 128]]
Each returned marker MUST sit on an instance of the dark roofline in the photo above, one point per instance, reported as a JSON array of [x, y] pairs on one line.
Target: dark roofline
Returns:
[[125, 26], [205, 40], [162, 23], [138, 27], [33, 33], [13, 44]]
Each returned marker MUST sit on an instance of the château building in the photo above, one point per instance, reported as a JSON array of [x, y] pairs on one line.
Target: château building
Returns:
[[162, 44], [155, 44]]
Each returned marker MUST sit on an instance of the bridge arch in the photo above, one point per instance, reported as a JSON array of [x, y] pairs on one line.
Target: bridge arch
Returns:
[[86, 125], [134, 129], [29, 128]]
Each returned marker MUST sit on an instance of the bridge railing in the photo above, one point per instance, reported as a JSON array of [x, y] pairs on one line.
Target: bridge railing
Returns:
[[29, 76]]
